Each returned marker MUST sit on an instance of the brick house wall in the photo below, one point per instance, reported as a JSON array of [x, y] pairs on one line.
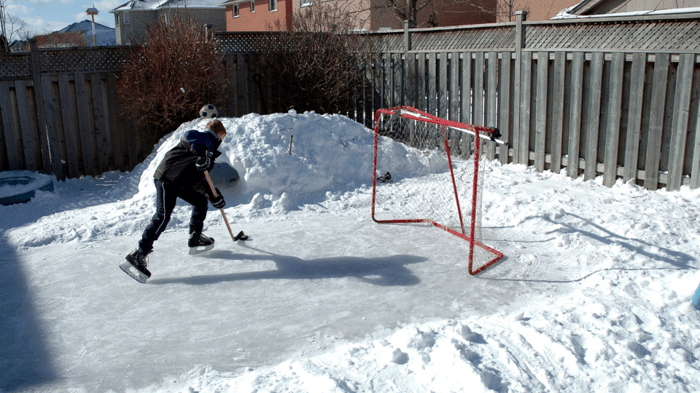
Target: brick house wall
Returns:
[[438, 13], [261, 18], [372, 14]]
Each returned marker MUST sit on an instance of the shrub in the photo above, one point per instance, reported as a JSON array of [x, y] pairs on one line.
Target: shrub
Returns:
[[317, 64], [171, 75]]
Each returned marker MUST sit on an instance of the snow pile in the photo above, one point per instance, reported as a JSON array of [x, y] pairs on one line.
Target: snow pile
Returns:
[[330, 155], [593, 295]]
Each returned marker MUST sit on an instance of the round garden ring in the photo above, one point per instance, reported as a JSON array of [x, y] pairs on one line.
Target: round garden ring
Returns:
[[21, 186]]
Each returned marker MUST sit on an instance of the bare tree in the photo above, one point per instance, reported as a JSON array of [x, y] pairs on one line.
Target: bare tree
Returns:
[[507, 9], [10, 26], [170, 76], [316, 63], [407, 10]]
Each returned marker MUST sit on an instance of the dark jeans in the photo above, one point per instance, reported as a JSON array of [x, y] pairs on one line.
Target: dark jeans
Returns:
[[166, 197]]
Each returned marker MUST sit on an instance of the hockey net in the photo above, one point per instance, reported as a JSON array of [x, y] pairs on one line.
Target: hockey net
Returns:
[[449, 195]]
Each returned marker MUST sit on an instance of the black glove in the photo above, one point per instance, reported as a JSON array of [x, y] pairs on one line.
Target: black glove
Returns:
[[204, 162], [218, 201]]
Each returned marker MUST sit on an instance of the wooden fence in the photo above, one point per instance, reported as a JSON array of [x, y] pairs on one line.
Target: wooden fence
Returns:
[[59, 113], [616, 97], [611, 98]]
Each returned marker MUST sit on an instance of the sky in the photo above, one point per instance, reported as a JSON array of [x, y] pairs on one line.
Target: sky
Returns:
[[593, 294], [45, 16]]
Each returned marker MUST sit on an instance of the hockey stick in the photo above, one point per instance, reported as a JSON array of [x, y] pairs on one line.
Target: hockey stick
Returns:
[[241, 235]]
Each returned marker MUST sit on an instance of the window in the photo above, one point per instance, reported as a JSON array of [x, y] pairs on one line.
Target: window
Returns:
[[125, 18], [252, 6], [235, 11], [273, 5], [305, 3]]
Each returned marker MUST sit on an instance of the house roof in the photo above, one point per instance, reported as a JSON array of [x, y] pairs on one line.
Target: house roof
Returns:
[[105, 35], [576, 11], [150, 5]]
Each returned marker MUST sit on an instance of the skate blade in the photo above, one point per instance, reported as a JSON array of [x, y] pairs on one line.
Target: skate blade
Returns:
[[200, 249], [134, 273]]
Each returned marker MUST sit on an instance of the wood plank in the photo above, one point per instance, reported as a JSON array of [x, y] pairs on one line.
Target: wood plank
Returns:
[[541, 109], [595, 88], [432, 83], [491, 100], [504, 101], [656, 121], [525, 109], [27, 126], [50, 133], [634, 116], [575, 114], [478, 116], [679, 128], [230, 107], [11, 143], [443, 83], [398, 79], [241, 86], [695, 163], [410, 80], [454, 86], [421, 92], [557, 99], [466, 113], [116, 126], [612, 129], [85, 130], [69, 126], [101, 138]]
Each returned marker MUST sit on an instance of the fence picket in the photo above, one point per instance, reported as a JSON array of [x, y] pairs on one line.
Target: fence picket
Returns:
[[634, 116], [11, 151], [557, 89], [49, 134], [656, 121], [491, 100], [69, 128], [680, 121], [612, 130], [505, 106], [525, 109], [27, 125], [87, 141], [575, 115], [101, 132], [595, 87], [541, 109]]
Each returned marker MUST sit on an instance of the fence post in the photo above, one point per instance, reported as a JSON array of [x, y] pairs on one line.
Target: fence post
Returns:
[[520, 17], [49, 143], [409, 67]]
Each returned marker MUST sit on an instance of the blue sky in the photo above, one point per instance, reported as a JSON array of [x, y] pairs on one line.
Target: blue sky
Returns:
[[45, 16]]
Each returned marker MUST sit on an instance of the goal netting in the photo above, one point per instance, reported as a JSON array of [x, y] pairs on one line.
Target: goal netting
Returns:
[[439, 182]]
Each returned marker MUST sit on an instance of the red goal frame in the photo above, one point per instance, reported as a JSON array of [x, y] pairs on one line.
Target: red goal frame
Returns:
[[479, 132]]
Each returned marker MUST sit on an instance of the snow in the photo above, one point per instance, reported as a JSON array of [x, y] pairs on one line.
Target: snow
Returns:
[[594, 293]]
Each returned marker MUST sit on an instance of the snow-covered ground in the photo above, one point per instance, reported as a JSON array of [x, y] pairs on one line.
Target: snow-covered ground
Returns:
[[594, 294]]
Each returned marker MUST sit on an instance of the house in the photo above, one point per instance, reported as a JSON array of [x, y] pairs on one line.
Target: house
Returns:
[[132, 19], [105, 35], [264, 15]]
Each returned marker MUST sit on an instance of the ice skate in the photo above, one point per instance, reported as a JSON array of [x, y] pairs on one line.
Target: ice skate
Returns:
[[199, 243], [136, 266]]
